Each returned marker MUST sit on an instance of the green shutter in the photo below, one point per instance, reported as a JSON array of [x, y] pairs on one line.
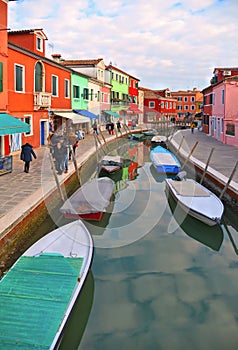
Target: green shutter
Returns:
[[1, 76]]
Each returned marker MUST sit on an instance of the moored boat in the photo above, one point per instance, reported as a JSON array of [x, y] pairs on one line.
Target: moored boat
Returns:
[[90, 201], [111, 164], [164, 161], [159, 140], [196, 200], [38, 293]]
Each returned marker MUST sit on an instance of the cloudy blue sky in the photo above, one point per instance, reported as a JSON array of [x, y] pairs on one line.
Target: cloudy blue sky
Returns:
[[166, 44]]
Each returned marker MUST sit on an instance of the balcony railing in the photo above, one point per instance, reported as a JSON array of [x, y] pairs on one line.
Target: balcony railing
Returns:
[[42, 100]]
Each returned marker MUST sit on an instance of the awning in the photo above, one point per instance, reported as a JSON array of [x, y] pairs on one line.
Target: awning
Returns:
[[74, 117], [114, 114], [86, 113], [11, 125]]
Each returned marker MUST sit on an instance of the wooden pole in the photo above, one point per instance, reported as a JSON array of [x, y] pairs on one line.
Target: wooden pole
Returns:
[[180, 145], [191, 152], [205, 170], [75, 165], [228, 183], [56, 178]]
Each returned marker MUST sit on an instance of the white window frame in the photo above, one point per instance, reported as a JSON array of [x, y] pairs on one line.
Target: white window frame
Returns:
[[192, 99], [57, 85], [23, 78], [185, 99], [66, 88], [26, 116], [186, 107], [40, 41], [192, 107]]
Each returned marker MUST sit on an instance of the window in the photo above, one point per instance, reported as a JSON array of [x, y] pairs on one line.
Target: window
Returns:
[[166, 105], [211, 99], [230, 129], [179, 98], [192, 99], [186, 107], [192, 107], [19, 78], [85, 93], [76, 91], [185, 99], [1, 76], [39, 43], [151, 104], [91, 93], [66, 88], [179, 107], [223, 96], [116, 77], [28, 120], [170, 105], [38, 77], [162, 104], [54, 85]]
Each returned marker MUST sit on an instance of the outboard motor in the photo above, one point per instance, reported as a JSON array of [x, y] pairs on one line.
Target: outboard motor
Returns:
[[180, 176]]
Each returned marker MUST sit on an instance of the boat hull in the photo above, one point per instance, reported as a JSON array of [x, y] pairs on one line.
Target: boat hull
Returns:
[[164, 161], [206, 208]]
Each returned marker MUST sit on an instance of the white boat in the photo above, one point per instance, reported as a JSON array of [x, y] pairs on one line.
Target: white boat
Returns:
[[196, 200], [90, 201], [159, 140], [111, 164], [38, 293]]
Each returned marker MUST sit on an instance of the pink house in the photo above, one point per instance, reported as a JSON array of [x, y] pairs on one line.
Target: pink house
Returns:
[[224, 120]]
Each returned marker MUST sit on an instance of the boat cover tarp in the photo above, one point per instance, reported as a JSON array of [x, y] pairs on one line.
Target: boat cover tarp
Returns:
[[93, 197], [164, 158], [188, 189], [33, 298]]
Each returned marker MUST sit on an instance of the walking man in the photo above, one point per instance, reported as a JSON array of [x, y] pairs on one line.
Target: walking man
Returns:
[[26, 155]]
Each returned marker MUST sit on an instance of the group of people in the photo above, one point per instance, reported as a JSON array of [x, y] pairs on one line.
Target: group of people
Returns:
[[62, 150], [110, 127]]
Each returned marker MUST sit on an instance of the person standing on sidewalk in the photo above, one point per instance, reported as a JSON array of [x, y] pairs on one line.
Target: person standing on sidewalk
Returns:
[[26, 156]]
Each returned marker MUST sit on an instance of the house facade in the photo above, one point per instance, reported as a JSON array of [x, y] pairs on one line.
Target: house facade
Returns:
[[187, 106], [220, 106]]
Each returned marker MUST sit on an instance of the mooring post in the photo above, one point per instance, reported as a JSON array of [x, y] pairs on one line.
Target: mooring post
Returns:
[[191, 152], [228, 183], [180, 145], [205, 170], [56, 178], [75, 165]]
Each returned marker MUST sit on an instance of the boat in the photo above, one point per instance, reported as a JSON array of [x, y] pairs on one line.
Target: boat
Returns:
[[159, 140], [196, 200], [210, 236], [39, 291], [164, 161], [90, 201], [152, 132], [111, 164], [136, 137]]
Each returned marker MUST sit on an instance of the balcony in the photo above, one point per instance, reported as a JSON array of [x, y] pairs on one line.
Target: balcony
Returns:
[[42, 100]]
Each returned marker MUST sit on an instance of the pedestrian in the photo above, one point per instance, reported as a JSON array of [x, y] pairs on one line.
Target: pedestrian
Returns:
[[26, 155], [133, 124], [65, 151], [59, 157], [118, 126], [112, 128], [192, 128], [72, 139], [95, 127], [75, 145]]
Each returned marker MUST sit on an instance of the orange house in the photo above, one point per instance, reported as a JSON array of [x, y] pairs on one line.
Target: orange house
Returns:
[[37, 85]]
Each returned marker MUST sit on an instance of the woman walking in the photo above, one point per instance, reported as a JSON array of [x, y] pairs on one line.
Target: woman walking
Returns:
[[26, 155]]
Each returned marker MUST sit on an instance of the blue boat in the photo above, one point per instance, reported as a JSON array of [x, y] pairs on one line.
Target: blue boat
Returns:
[[164, 161]]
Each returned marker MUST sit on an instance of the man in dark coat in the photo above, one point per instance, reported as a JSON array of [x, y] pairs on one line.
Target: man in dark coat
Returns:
[[26, 155]]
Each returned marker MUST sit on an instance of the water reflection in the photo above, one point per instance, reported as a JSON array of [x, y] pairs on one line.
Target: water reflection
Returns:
[[155, 287], [211, 236], [77, 322]]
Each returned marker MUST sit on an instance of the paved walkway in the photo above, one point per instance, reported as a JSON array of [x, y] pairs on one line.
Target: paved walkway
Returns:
[[21, 192]]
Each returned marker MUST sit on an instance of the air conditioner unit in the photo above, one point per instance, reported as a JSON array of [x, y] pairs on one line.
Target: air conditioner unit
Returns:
[[226, 73]]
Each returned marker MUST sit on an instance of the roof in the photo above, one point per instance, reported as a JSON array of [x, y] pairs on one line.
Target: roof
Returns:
[[82, 63], [121, 71], [225, 68], [28, 31]]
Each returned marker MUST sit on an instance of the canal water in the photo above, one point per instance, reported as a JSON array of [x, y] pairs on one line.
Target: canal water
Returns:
[[159, 280]]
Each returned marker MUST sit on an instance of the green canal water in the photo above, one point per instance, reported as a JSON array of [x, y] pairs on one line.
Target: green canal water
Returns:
[[159, 280]]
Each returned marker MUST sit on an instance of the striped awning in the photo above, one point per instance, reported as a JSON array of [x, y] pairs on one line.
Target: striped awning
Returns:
[[11, 125]]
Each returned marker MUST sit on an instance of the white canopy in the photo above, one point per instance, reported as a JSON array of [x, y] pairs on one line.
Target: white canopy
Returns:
[[74, 117]]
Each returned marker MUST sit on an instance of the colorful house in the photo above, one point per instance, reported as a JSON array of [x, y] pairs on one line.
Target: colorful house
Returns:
[[9, 125], [187, 106]]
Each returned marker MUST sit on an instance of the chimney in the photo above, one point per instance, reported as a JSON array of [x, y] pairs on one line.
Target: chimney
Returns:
[[56, 57]]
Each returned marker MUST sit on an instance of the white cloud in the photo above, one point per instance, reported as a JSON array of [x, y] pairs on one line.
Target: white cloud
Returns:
[[171, 44]]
